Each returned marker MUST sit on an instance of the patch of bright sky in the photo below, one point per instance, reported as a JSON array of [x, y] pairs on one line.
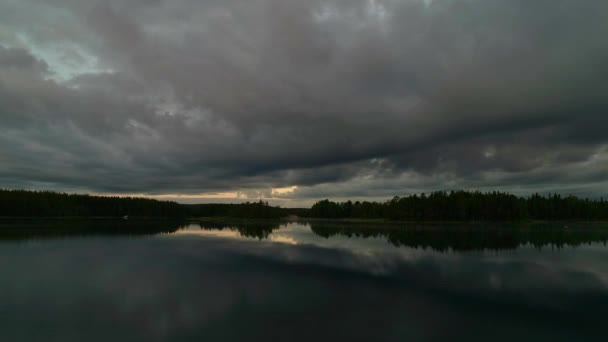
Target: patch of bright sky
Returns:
[[283, 191], [65, 60], [276, 196]]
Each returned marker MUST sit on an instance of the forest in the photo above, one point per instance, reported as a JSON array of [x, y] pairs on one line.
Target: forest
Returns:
[[437, 206], [21, 203], [258, 209], [467, 206]]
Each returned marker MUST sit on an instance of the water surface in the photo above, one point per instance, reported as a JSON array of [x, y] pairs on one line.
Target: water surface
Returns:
[[165, 281]]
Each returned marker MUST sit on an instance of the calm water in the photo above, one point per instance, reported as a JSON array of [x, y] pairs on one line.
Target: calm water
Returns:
[[109, 281]]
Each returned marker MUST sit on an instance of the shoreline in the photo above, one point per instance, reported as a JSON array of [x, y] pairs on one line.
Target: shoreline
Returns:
[[296, 219]]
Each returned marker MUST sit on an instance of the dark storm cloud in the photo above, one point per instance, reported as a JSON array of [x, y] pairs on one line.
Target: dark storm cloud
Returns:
[[342, 98]]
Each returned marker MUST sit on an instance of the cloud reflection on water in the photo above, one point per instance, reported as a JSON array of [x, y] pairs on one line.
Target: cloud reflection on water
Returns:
[[214, 286]]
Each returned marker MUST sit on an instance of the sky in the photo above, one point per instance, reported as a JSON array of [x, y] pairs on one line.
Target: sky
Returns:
[[293, 101]]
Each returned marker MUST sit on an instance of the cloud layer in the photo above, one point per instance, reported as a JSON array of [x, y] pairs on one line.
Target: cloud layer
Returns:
[[340, 98]]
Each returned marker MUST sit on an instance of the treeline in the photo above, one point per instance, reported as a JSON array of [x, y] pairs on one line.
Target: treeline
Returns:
[[437, 206], [21, 203], [467, 206], [258, 209]]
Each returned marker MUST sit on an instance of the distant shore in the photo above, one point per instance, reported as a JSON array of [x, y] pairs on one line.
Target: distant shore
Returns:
[[386, 222], [232, 219], [441, 207]]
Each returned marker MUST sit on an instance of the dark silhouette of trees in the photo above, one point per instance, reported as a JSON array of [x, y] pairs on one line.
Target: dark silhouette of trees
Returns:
[[20, 203], [258, 209], [467, 206], [437, 206]]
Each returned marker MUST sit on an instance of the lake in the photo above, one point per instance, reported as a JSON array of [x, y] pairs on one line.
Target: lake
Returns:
[[165, 281]]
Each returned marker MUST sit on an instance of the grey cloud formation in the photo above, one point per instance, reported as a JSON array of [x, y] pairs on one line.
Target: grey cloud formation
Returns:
[[340, 98]]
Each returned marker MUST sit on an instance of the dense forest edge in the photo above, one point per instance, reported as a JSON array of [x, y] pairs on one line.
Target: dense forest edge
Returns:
[[468, 206], [22, 203], [440, 206]]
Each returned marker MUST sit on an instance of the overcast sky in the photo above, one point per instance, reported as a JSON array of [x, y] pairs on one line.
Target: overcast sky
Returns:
[[298, 100]]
